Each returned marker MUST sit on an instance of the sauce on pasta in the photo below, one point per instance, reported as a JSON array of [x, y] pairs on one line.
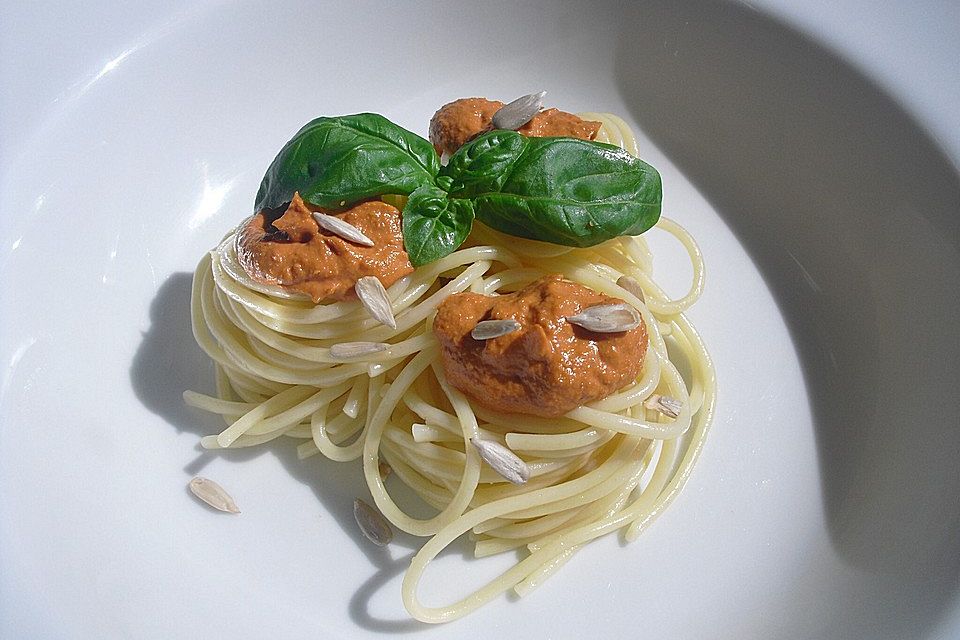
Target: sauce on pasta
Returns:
[[548, 366], [292, 251]]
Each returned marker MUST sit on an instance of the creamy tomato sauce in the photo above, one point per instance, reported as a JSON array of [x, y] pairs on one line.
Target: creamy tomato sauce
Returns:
[[460, 121], [549, 366], [454, 124], [292, 251]]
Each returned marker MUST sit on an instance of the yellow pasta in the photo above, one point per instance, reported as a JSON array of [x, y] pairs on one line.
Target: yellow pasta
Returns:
[[613, 464]]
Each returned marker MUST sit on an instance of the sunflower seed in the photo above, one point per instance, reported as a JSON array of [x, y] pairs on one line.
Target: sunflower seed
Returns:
[[384, 469], [374, 298], [514, 115], [344, 350], [422, 432], [631, 285], [502, 460], [342, 228], [664, 404], [213, 494], [487, 329], [607, 318], [372, 523]]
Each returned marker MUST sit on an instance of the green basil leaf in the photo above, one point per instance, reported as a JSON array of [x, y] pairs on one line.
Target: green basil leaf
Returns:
[[482, 165], [434, 225], [346, 159], [561, 190]]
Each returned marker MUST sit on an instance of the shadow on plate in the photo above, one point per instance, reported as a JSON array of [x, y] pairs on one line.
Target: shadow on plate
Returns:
[[852, 214], [169, 361]]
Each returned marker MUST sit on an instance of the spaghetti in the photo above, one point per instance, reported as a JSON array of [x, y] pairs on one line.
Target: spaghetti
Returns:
[[613, 464]]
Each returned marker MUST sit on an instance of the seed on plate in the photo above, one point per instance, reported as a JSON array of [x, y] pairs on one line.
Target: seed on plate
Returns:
[[502, 460], [488, 329], [374, 299], [344, 350], [341, 228], [213, 494], [372, 523], [607, 318], [631, 285], [515, 114], [664, 404]]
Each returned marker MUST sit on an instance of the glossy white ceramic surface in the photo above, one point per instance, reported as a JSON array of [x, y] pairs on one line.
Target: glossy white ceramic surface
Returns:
[[824, 194]]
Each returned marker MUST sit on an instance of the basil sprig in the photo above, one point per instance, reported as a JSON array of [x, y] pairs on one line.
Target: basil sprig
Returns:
[[561, 190]]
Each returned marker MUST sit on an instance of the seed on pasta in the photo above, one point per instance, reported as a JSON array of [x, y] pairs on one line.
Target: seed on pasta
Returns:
[[607, 318], [631, 285], [341, 228], [664, 404], [356, 349], [213, 494], [374, 298], [515, 114], [372, 523], [502, 460], [489, 329], [384, 470]]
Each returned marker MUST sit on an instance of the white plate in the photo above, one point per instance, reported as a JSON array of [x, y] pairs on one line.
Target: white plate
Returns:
[[826, 502]]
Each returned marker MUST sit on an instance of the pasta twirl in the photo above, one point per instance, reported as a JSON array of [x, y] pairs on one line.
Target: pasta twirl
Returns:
[[610, 465]]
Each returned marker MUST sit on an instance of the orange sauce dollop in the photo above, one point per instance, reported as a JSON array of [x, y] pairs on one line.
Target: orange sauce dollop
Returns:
[[292, 251], [549, 366]]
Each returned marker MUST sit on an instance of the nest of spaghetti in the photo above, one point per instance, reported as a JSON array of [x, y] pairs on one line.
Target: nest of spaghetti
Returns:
[[366, 376], [285, 369]]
